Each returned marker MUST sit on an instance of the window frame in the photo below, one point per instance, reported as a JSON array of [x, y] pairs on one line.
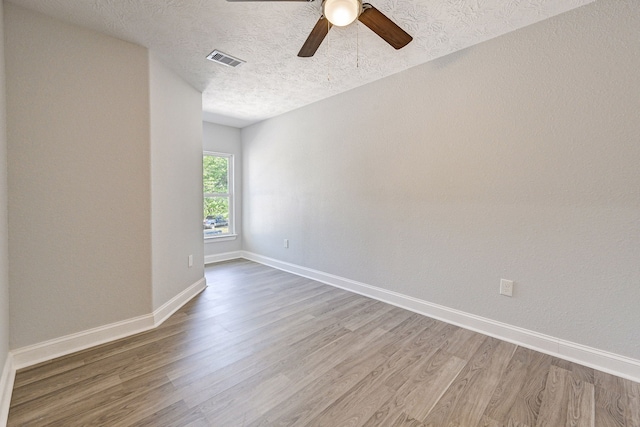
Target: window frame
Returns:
[[231, 234]]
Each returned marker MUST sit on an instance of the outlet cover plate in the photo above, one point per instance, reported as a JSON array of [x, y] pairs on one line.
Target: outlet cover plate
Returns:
[[506, 287]]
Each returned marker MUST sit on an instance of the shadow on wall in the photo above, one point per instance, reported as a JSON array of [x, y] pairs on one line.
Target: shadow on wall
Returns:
[[445, 61]]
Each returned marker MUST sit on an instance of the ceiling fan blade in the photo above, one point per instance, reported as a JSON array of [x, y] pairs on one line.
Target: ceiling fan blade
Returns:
[[384, 27], [314, 40]]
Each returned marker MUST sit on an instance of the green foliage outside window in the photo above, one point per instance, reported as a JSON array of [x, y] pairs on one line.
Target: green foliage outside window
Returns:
[[215, 180], [216, 206], [215, 174]]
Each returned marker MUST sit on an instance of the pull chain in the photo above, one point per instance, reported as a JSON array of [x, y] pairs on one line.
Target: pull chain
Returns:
[[357, 44], [328, 52]]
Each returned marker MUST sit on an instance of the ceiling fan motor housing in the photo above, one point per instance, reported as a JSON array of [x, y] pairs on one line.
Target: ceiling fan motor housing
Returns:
[[341, 12]]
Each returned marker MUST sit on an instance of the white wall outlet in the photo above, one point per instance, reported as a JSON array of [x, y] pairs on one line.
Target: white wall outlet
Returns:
[[506, 287], [190, 261], [286, 243]]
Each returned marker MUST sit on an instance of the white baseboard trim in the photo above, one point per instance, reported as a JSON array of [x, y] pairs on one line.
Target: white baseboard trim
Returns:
[[615, 364], [210, 259], [174, 304], [51, 349], [6, 387]]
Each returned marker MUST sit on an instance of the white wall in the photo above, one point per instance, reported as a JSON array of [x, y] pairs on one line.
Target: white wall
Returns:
[[517, 158], [79, 178], [176, 183], [225, 139], [4, 254]]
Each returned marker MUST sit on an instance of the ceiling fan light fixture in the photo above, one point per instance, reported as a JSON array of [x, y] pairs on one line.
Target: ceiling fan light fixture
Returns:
[[341, 12]]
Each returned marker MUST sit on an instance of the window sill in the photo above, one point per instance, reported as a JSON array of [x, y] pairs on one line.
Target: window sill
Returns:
[[223, 238]]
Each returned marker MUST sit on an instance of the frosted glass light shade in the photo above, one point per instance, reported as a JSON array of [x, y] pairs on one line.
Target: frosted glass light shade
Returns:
[[341, 12]]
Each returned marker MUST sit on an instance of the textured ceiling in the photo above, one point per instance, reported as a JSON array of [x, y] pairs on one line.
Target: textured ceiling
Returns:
[[268, 35]]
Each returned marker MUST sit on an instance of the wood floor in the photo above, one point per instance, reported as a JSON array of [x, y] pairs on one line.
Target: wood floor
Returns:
[[260, 347]]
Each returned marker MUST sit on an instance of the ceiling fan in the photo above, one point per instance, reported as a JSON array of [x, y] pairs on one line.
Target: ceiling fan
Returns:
[[342, 13]]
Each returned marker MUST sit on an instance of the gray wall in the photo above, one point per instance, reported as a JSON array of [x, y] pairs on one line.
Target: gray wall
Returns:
[[517, 159], [225, 139], [4, 252], [176, 183], [79, 178]]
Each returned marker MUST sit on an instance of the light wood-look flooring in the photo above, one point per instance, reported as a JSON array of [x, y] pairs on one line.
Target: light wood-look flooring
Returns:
[[260, 347]]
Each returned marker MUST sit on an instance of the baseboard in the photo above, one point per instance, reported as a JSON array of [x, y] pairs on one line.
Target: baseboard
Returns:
[[174, 304], [227, 256], [51, 349], [48, 350], [6, 387], [598, 359]]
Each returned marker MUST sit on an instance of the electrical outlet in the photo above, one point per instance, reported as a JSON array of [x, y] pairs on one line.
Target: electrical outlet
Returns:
[[506, 287], [286, 243], [190, 261]]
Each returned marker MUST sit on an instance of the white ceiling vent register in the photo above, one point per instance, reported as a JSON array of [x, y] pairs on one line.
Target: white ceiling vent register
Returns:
[[224, 59]]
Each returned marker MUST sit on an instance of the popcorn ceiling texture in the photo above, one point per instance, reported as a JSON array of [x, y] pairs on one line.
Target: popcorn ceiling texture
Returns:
[[268, 35]]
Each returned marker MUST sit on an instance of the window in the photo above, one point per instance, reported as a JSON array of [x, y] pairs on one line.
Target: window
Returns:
[[217, 183]]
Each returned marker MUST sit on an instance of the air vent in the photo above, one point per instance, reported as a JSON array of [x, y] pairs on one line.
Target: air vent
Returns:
[[224, 59]]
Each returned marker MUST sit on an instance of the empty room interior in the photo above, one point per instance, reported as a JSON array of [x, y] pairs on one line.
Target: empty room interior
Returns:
[[252, 213]]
